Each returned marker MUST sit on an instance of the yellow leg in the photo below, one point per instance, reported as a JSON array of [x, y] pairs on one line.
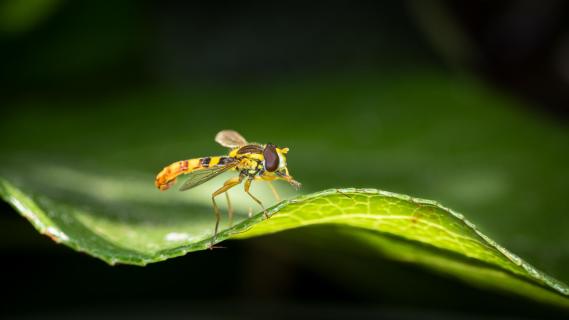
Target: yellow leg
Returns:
[[274, 191], [247, 186], [229, 209], [226, 186]]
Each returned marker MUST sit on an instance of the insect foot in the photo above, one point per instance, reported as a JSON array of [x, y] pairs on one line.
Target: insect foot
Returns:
[[212, 246]]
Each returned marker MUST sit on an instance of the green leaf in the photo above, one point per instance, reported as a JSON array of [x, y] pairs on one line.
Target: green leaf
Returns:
[[425, 233], [85, 176]]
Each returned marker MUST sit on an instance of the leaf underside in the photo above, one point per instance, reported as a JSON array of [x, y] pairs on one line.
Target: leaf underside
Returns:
[[393, 225]]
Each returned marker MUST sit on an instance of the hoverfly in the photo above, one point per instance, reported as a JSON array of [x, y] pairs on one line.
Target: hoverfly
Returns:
[[252, 161]]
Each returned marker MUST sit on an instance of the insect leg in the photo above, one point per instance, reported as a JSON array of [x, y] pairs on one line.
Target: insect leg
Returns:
[[226, 186], [247, 187], [274, 190], [229, 209]]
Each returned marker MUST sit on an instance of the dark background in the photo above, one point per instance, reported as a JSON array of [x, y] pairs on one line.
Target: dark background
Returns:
[[94, 50]]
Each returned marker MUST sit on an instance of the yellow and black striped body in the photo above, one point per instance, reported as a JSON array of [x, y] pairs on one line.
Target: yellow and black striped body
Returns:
[[167, 177], [248, 160]]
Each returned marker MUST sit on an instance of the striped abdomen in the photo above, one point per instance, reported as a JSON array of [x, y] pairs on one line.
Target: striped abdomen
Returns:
[[167, 177]]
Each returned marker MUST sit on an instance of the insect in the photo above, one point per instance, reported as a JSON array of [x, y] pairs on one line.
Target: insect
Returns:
[[252, 161]]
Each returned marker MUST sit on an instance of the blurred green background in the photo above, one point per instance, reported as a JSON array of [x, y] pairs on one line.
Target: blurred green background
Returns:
[[461, 103]]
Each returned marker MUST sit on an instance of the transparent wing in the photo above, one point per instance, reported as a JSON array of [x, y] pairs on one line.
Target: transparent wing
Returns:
[[230, 139], [200, 176]]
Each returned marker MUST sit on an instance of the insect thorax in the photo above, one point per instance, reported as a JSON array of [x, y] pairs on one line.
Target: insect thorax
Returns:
[[250, 159], [250, 162]]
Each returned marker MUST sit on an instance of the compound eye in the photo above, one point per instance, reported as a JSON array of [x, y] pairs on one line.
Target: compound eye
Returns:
[[271, 157]]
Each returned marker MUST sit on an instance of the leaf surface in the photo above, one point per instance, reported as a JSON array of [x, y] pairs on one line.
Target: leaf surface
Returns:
[[434, 236]]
